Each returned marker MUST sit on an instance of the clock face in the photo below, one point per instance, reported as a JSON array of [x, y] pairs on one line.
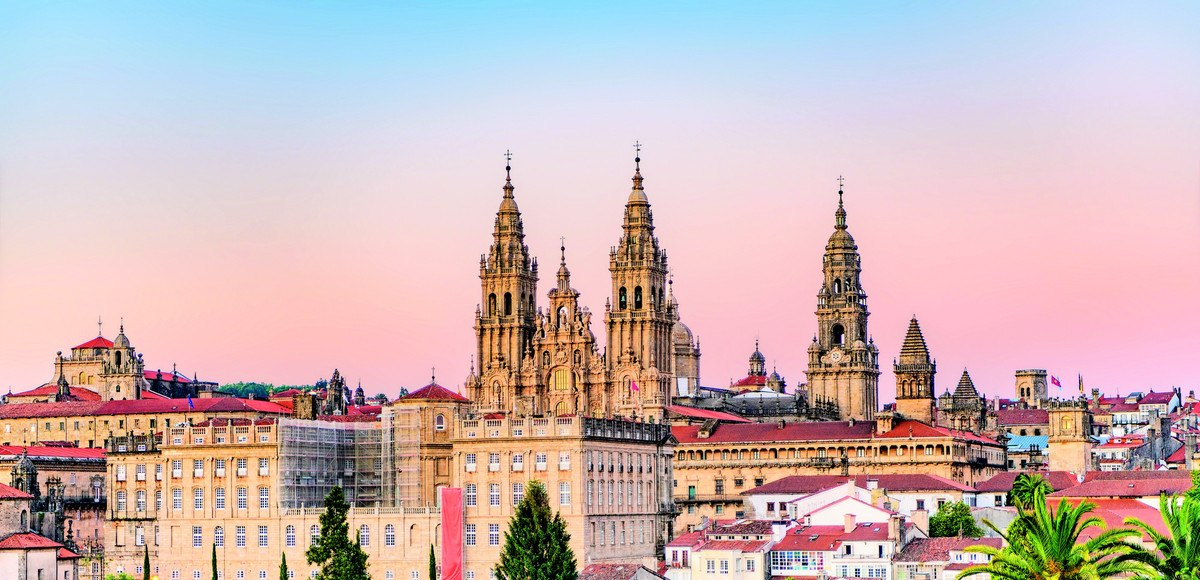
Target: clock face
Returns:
[[835, 356]]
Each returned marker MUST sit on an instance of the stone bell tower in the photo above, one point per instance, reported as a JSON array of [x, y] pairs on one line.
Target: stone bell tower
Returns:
[[638, 318], [914, 377], [843, 362], [1069, 445], [504, 321]]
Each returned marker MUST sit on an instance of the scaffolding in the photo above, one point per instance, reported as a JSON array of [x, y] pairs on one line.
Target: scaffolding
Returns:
[[401, 457], [317, 455]]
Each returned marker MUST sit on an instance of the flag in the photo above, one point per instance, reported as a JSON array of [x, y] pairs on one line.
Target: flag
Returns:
[[633, 386], [1054, 381], [191, 405]]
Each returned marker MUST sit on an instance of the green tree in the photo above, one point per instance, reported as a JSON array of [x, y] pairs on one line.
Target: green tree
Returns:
[[118, 576], [1024, 488], [1051, 549], [145, 562], [1179, 553], [214, 562], [339, 558], [536, 544], [283, 567], [954, 519], [432, 564]]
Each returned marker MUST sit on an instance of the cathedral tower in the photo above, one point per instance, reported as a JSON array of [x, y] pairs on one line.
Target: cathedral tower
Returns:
[[914, 377], [504, 323], [638, 319], [843, 362], [1031, 388], [122, 373], [1070, 446]]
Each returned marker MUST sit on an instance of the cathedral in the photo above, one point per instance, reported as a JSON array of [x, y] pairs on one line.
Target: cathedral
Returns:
[[535, 361]]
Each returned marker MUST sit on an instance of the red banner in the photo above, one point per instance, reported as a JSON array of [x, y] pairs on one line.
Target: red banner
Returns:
[[452, 533]]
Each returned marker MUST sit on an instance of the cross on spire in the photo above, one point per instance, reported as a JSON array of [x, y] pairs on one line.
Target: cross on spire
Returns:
[[432, 375], [508, 165], [637, 159], [99, 326]]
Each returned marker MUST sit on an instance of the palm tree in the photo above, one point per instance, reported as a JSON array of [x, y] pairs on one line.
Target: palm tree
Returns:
[[1179, 552], [1024, 487], [1049, 548]]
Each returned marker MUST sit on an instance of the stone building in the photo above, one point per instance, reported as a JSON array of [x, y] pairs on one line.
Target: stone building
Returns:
[[965, 409], [843, 362], [915, 372], [536, 362]]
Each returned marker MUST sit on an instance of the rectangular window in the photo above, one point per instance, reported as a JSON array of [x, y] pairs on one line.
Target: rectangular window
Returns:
[[198, 498], [177, 499], [220, 467], [242, 498], [177, 468], [241, 467], [518, 490], [724, 566], [262, 536], [493, 462], [141, 473], [121, 501], [494, 494], [197, 537], [719, 486], [564, 493], [198, 467], [564, 460], [493, 534], [264, 466], [158, 471], [470, 534], [710, 566], [470, 462], [219, 498], [264, 497], [240, 536], [472, 494]]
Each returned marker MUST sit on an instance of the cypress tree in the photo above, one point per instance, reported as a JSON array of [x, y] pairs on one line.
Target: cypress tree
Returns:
[[145, 562], [536, 544], [214, 561], [283, 567], [338, 557], [432, 564]]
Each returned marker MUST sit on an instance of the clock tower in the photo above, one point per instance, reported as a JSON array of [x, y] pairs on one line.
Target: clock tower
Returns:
[[843, 362]]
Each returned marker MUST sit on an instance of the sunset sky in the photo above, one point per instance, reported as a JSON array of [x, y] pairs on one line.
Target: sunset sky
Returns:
[[267, 191]]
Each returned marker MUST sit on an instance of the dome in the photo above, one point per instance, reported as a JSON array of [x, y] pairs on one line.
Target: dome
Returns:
[[841, 240], [681, 334], [509, 204], [121, 341], [757, 357]]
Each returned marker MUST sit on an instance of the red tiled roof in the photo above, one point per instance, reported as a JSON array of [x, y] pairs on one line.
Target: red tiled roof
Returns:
[[741, 527], [805, 484], [1128, 475], [1153, 398], [837, 501], [286, 394], [79, 393], [706, 414], [349, 418], [98, 342], [740, 545], [827, 538], [1114, 512], [938, 549], [148, 394], [139, 406], [65, 554], [1101, 488], [688, 539], [1007, 417], [1122, 443], [612, 571], [434, 392], [9, 492], [1003, 481], [918, 429], [747, 432], [1125, 408], [44, 451], [751, 381], [27, 540]]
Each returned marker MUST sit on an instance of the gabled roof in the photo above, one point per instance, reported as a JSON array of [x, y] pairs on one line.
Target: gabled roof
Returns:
[[78, 393], [139, 406], [687, 540], [98, 342], [914, 349], [10, 492], [166, 376], [828, 538], [27, 540], [65, 554], [738, 545], [52, 452], [613, 572], [1153, 398], [938, 549], [1125, 488], [917, 429], [1003, 481], [1130, 475], [751, 381], [1125, 408], [434, 392], [694, 412], [1007, 417]]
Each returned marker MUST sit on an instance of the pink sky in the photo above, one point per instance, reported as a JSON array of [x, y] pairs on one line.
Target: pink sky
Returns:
[[275, 205]]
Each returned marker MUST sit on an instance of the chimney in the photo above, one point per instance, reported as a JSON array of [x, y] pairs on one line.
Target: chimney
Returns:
[[895, 524], [920, 519], [780, 424], [851, 523], [1189, 451], [872, 484]]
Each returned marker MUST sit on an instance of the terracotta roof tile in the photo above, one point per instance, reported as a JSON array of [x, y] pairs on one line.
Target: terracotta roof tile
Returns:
[[9, 492], [612, 571], [98, 342], [434, 392], [746, 432], [706, 414], [27, 540], [1006, 417], [1125, 488], [1153, 398], [938, 549], [52, 452], [805, 484], [1003, 481], [77, 393], [739, 545]]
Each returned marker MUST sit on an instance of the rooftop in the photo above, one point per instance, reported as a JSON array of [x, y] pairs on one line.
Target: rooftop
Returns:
[[1003, 481], [938, 549], [805, 484]]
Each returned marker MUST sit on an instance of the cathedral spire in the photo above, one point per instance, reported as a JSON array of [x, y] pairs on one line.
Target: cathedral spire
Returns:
[[840, 214], [564, 275], [639, 192], [509, 202]]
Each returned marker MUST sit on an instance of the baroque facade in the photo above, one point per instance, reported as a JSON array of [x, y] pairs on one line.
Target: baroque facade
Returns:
[[536, 362]]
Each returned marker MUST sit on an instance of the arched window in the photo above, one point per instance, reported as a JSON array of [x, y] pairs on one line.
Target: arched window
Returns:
[[491, 311], [838, 334], [562, 317], [637, 298], [622, 299], [289, 536], [660, 297], [545, 358], [364, 535], [508, 303], [219, 536], [389, 535], [837, 286], [439, 422], [24, 520]]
